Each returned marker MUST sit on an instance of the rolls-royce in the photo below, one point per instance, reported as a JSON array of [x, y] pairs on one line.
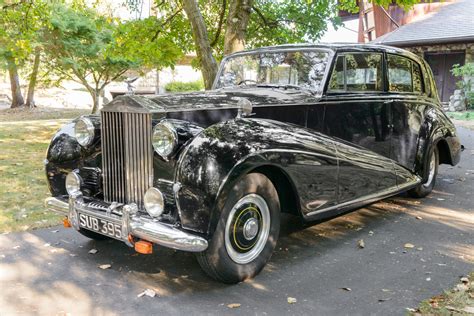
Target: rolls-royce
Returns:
[[313, 130]]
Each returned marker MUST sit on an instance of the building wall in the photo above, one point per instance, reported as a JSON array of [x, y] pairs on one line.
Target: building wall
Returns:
[[468, 48], [375, 21]]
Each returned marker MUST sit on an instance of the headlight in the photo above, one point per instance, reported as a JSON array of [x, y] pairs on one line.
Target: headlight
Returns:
[[73, 183], [154, 203], [165, 139], [84, 131]]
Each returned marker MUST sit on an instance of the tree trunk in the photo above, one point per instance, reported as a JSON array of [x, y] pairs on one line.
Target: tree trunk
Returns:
[[236, 28], [30, 98], [17, 97], [95, 93], [201, 40]]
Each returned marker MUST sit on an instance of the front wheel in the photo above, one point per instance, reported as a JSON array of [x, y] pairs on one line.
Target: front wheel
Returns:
[[246, 233], [425, 188]]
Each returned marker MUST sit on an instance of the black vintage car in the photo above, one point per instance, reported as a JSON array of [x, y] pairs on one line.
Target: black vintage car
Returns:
[[314, 130]]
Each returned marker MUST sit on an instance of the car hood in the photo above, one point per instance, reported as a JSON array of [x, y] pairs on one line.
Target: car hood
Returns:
[[215, 99], [209, 100]]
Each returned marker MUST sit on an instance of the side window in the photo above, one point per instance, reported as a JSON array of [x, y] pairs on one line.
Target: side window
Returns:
[[404, 75], [357, 72]]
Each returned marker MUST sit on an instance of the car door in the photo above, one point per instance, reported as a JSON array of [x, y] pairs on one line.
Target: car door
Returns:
[[357, 110], [405, 84]]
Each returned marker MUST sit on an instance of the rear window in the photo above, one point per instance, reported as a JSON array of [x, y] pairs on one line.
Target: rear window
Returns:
[[357, 72], [404, 75]]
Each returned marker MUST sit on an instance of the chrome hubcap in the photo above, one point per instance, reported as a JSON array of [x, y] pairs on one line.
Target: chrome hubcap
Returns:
[[250, 228], [247, 228]]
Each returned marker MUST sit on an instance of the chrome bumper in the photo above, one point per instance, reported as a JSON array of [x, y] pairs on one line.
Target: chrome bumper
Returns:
[[131, 223]]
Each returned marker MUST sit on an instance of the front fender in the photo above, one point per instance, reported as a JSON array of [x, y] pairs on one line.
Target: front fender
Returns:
[[65, 154], [214, 161]]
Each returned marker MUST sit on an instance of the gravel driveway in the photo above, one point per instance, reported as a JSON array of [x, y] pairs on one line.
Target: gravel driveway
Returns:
[[51, 271]]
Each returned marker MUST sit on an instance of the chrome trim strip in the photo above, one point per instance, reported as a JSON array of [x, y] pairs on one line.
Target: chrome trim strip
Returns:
[[134, 224], [369, 198]]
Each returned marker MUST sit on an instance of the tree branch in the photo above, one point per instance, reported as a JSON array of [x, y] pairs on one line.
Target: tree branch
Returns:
[[261, 16], [168, 20], [219, 25]]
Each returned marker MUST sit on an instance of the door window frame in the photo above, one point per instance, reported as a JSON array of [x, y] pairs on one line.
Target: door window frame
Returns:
[[328, 90], [412, 63]]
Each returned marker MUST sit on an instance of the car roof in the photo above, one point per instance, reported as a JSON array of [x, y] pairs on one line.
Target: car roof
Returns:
[[334, 47]]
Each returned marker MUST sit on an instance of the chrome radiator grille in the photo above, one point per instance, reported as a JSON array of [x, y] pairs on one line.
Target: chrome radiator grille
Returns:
[[127, 156]]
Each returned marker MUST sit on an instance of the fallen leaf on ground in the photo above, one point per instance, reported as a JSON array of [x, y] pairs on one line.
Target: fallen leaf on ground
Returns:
[[453, 309], [147, 292], [419, 217], [383, 299], [371, 233], [55, 231], [291, 300], [234, 305], [408, 245], [348, 289], [361, 243], [93, 251], [464, 280], [468, 309], [105, 266], [461, 288], [440, 199]]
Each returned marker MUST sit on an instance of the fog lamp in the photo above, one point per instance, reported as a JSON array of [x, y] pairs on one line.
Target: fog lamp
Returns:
[[154, 202], [73, 183]]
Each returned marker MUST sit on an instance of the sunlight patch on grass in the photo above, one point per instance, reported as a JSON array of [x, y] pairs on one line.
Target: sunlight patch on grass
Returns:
[[23, 185]]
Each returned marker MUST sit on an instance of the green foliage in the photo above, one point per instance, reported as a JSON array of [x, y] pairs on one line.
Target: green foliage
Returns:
[[20, 26], [467, 81], [178, 86], [95, 50]]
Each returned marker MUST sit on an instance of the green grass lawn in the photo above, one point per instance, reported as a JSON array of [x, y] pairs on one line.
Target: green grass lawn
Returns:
[[24, 138], [464, 116]]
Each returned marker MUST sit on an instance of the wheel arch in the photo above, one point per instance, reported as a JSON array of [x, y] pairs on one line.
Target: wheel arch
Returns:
[[286, 190]]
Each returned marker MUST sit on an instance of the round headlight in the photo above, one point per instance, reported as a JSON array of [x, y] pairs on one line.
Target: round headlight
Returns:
[[165, 139], [84, 131], [154, 203], [73, 183]]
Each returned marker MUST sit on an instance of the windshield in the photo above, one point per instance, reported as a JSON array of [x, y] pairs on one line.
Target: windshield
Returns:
[[298, 69]]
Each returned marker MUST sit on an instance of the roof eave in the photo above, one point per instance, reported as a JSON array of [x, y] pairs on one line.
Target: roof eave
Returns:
[[430, 41]]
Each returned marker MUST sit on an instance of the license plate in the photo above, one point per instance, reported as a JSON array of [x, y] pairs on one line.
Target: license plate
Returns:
[[100, 226]]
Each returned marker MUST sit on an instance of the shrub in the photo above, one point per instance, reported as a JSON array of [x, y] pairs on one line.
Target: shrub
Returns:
[[179, 86], [466, 84]]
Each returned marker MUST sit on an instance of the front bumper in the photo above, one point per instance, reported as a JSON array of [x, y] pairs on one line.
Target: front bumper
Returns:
[[132, 224]]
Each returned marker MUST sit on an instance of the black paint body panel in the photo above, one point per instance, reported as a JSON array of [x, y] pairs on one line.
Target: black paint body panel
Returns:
[[335, 152]]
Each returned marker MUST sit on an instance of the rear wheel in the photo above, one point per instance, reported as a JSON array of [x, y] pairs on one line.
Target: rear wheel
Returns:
[[246, 233], [426, 187]]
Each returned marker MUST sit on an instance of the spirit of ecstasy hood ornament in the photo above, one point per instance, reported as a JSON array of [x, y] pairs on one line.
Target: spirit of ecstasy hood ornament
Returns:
[[130, 87]]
